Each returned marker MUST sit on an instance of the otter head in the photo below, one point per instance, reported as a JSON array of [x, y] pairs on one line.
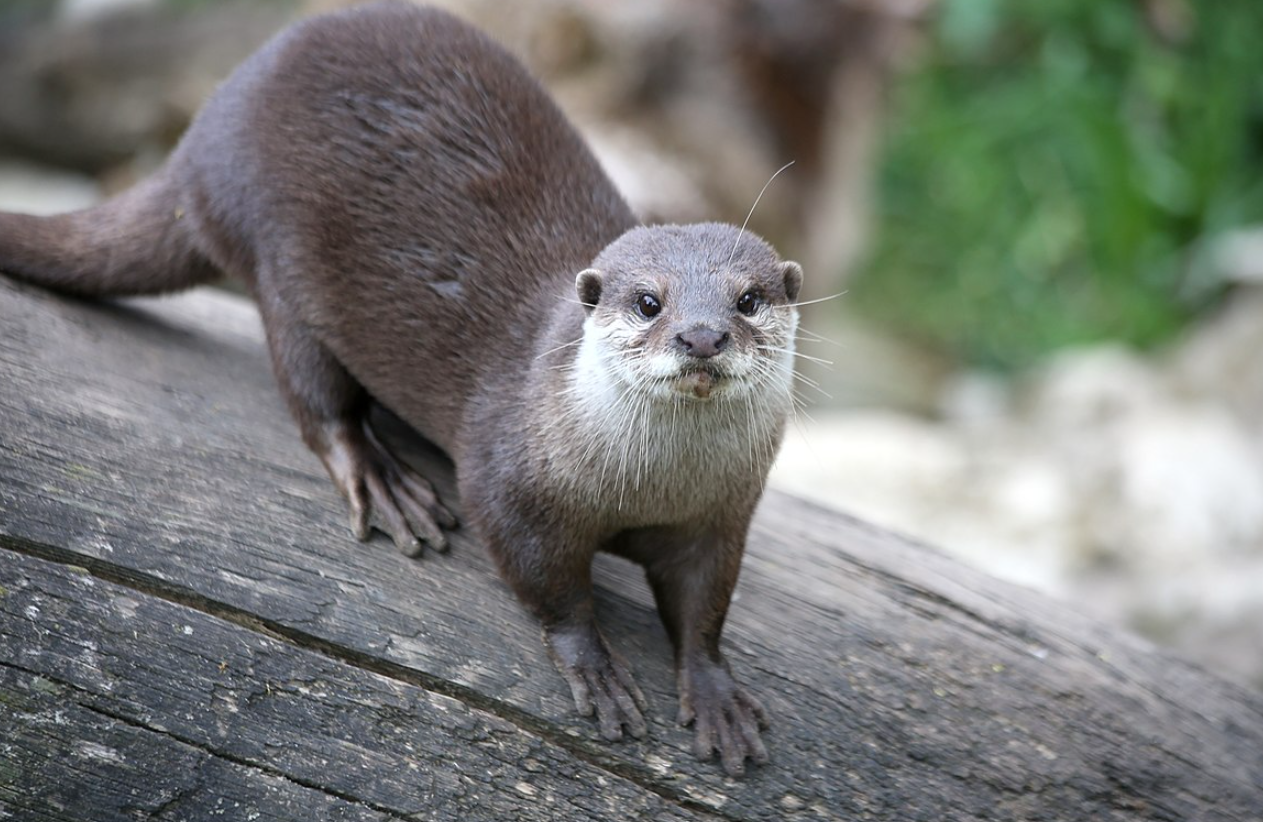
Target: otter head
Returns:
[[697, 312]]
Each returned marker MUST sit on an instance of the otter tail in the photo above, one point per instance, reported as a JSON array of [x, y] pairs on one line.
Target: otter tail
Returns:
[[135, 243]]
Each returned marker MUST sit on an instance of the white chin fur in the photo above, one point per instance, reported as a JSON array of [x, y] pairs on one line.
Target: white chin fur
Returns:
[[602, 376], [655, 436]]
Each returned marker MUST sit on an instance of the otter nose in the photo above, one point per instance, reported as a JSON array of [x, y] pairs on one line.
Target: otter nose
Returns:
[[702, 342]]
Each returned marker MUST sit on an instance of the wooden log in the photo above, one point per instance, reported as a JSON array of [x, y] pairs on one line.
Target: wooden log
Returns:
[[126, 702], [150, 479]]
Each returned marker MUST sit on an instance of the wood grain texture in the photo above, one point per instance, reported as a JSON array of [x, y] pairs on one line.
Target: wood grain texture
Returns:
[[125, 702], [146, 443]]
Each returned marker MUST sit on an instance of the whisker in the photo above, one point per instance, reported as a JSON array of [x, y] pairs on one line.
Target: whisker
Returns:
[[820, 300], [803, 378], [800, 406], [814, 387], [558, 348], [809, 336], [799, 354], [763, 191], [804, 429]]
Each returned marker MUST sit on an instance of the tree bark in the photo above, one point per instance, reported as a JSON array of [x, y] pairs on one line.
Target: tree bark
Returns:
[[188, 630]]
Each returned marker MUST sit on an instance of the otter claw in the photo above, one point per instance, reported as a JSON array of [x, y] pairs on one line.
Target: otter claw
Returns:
[[375, 482], [726, 718], [600, 681]]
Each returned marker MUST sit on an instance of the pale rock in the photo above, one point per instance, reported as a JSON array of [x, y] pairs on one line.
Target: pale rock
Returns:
[[1084, 388], [1189, 488], [976, 400], [1015, 519], [1220, 357], [880, 464], [33, 189], [1238, 255], [1129, 486], [85, 10], [925, 480]]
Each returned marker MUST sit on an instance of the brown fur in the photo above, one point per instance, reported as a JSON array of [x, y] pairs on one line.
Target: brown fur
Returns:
[[411, 211]]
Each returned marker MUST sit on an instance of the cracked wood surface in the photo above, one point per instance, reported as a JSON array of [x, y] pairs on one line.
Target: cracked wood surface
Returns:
[[151, 482], [134, 690]]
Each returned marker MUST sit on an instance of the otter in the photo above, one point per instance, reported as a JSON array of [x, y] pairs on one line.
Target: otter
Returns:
[[421, 227]]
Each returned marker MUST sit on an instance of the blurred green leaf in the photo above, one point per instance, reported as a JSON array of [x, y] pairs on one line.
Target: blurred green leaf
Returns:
[[1055, 172]]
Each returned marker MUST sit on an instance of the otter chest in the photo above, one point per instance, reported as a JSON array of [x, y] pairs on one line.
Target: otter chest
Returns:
[[671, 464]]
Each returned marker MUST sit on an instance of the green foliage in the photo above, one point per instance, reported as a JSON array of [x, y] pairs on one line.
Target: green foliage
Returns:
[[1055, 171]]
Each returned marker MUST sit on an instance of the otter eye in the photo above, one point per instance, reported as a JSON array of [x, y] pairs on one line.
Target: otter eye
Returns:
[[749, 303], [648, 306]]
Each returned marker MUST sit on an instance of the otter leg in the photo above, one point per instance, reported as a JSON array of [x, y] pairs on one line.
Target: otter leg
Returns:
[[552, 576], [331, 409], [693, 577]]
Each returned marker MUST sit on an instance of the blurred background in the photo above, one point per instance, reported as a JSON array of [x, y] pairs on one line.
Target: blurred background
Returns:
[[1035, 231]]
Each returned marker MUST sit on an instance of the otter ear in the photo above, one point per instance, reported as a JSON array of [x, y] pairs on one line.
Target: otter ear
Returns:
[[792, 274], [588, 286]]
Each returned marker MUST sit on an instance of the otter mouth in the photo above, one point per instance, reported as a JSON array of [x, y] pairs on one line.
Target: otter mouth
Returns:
[[699, 383]]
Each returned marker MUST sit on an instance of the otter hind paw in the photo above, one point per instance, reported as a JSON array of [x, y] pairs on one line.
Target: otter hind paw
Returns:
[[375, 482]]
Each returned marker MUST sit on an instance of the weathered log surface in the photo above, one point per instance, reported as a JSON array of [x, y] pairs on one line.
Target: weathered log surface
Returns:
[[188, 631]]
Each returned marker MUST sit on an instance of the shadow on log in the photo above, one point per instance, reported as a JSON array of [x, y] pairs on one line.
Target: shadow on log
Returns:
[[188, 631]]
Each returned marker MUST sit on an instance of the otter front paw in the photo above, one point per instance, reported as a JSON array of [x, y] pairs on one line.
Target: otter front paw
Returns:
[[374, 481], [599, 680], [725, 717]]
